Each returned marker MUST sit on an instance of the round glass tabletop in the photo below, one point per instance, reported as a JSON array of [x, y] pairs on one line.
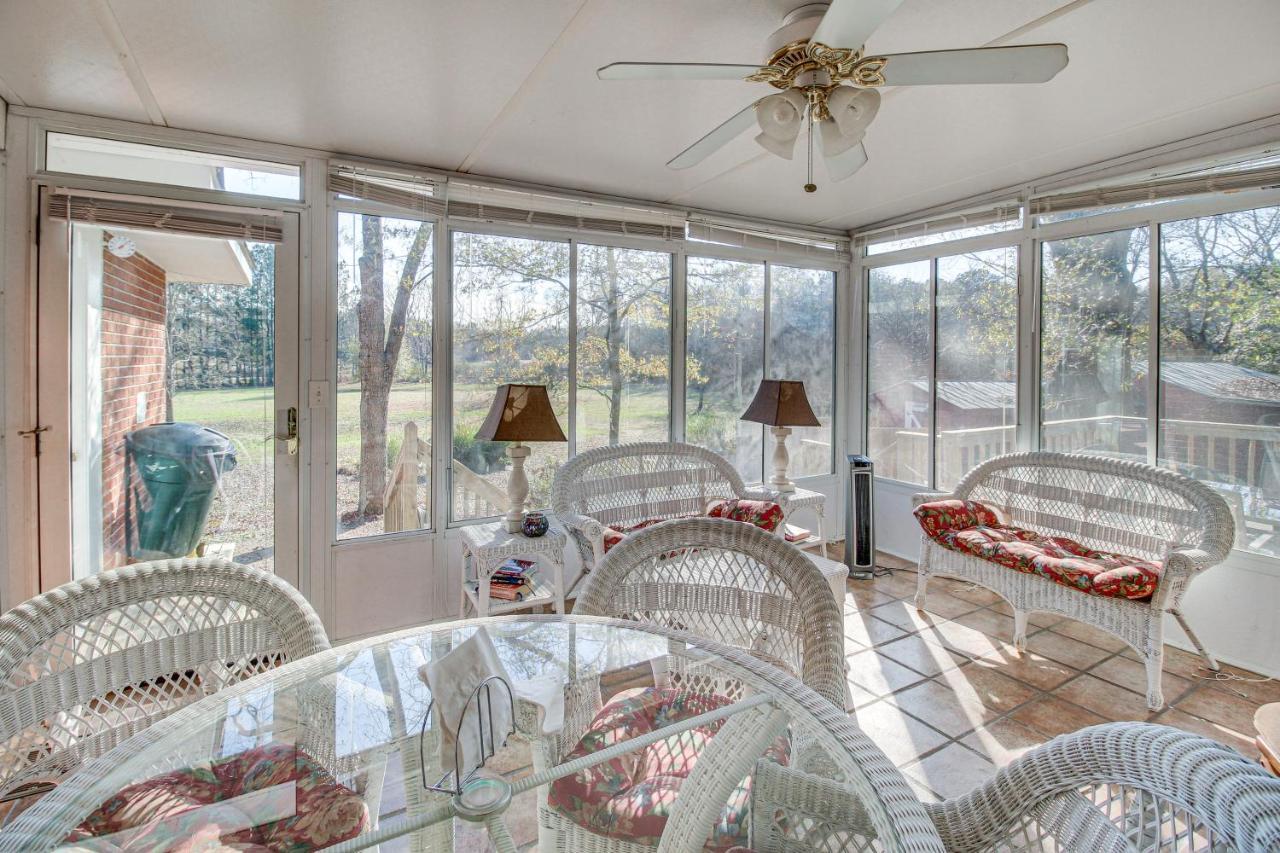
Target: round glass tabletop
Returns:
[[623, 734]]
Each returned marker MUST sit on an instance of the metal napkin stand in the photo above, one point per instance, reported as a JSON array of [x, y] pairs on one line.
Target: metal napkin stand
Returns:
[[482, 699]]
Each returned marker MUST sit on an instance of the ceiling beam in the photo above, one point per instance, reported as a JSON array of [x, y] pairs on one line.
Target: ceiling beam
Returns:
[[106, 18], [531, 79]]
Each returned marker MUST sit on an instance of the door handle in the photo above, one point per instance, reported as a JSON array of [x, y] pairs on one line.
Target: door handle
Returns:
[[290, 434]]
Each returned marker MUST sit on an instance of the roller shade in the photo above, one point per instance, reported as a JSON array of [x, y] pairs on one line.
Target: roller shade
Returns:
[[397, 190], [1007, 213], [1158, 190], [122, 214]]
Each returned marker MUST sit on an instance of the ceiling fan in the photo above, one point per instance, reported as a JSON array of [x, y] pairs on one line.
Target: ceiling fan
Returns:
[[817, 50]]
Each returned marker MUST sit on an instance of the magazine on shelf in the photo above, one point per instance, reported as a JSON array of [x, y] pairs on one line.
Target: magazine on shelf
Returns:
[[796, 534]]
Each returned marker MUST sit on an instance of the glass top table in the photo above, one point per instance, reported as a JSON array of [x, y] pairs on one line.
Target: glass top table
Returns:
[[332, 751]]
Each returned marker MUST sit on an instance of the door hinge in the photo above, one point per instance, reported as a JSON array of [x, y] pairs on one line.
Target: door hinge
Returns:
[[35, 433]]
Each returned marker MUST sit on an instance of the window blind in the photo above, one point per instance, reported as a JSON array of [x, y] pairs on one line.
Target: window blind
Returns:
[[122, 214], [1008, 213], [420, 194], [1233, 180], [824, 247]]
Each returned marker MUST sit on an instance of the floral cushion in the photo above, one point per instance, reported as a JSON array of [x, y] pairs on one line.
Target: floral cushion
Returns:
[[324, 811], [615, 535], [631, 797], [1057, 558], [766, 515], [938, 516]]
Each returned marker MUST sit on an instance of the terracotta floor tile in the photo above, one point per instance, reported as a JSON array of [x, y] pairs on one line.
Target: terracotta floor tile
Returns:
[[1065, 650], [902, 737], [989, 622], [891, 561], [1001, 606], [900, 584], [1044, 620], [950, 711], [866, 630], [1216, 731], [1246, 684], [974, 593], [859, 597], [878, 674], [992, 688], [1105, 699], [1089, 634], [860, 696], [1132, 675], [1218, 706], [1003, 741], [922, 656], [1028, 667], [1183, 663], [904, 614], [964, 639], [1052, 716], [953, 770]]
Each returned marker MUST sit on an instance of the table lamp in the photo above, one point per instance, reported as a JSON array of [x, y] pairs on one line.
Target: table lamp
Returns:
[[781, 404], [519, 413]]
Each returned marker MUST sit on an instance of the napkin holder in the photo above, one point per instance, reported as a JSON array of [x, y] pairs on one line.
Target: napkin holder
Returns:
[[481, 700]]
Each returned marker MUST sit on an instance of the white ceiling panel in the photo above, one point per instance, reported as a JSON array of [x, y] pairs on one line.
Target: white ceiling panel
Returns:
[[53, 53], [400, 79], [507, 88]]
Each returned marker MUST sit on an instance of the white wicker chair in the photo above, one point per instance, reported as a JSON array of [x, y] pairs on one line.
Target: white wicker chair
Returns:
[[711, 577], [628, 484], [1109, 504], [87, 665], [1116, 787]]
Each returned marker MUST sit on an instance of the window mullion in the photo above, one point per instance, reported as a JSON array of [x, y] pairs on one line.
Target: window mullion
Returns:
[[932, 464], [573, 348], [1153, 342], [766, 352], [679, 347]]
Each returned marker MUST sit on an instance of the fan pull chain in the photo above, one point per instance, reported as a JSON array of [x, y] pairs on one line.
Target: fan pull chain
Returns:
[[810, 186]]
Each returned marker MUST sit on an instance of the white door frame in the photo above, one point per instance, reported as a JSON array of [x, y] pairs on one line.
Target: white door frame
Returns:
[[53, 397]]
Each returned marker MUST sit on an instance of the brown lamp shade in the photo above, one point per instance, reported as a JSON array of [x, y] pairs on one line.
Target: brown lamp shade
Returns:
[[780, 402], [521, 413]]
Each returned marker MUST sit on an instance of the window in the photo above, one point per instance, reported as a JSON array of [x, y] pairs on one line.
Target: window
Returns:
[[1094, 318], [802, 346], [623, 346], [899, 349], [1220, 363], [179, 167], [382, 416], [976, 389], [510, 324], [725, 359]]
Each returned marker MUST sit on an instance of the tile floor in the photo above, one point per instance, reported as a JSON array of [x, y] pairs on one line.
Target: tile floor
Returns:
[[949, 698]]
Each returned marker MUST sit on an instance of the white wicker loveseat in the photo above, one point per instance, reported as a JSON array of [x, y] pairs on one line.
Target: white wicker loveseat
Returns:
[[1114, 506], [634, 484]]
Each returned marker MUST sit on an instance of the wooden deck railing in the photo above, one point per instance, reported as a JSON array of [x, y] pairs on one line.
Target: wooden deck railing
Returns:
[[473, 495]]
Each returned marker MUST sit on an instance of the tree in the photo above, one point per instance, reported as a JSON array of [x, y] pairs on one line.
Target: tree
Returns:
[[381, 333]]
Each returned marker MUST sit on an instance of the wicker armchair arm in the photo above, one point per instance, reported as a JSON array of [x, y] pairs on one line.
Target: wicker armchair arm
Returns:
[[584, 524], [925, 497], [1233, 797], [756, 495], [1189, 561]]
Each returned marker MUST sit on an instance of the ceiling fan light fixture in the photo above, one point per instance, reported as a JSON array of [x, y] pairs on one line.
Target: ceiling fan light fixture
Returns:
[[853, 109], [834, 141]]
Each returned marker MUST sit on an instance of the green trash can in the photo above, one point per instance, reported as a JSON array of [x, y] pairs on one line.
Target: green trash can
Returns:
[[171, 471]]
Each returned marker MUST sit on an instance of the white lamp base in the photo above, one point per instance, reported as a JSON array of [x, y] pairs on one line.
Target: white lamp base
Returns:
[[781, 460], [517, 487]]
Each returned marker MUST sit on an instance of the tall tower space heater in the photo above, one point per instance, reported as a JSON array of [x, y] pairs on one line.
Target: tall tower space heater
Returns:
[[859, 524]]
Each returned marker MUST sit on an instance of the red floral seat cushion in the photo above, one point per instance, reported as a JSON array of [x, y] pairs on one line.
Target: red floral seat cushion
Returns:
[[615, 535], [1057, 558], [631, 797], [164, 808], [766, 515]]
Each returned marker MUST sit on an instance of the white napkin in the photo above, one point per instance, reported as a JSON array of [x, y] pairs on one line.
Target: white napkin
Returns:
[[454, 677]]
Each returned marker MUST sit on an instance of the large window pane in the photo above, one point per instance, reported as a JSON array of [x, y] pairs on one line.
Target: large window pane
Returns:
[[510, 324], [1094, 317], [725, 360], [384, 369], [623, 346], [1220, 362], [899, 348], [977, 315], [802, 346]]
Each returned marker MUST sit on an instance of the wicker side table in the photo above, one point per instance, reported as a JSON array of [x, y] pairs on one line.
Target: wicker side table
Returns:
[[799, 500], [487, 546]]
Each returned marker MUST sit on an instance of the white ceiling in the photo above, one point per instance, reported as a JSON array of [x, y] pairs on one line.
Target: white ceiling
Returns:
[[506, 88]]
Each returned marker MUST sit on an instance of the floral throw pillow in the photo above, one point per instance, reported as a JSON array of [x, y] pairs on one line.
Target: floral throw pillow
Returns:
[[766, 515], [938, 517]]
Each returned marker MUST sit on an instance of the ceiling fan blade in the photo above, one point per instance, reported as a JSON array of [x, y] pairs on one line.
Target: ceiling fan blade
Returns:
[[674, 71], [1030, 63], [716, 139], [848, 23], [844, 164]]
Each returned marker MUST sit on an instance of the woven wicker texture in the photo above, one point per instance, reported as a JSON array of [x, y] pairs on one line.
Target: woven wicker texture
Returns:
[[730, 582], [626, 484], [1108, 504], [91, 663]]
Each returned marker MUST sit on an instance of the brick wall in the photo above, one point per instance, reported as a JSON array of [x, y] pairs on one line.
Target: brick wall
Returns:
[[133, 353]]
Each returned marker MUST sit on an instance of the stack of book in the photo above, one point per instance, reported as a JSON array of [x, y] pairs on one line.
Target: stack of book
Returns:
[[796, 534], [513, 580]]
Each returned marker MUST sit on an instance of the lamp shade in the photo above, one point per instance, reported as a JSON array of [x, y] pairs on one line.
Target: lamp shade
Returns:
[[780, 402], [521, 413]]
